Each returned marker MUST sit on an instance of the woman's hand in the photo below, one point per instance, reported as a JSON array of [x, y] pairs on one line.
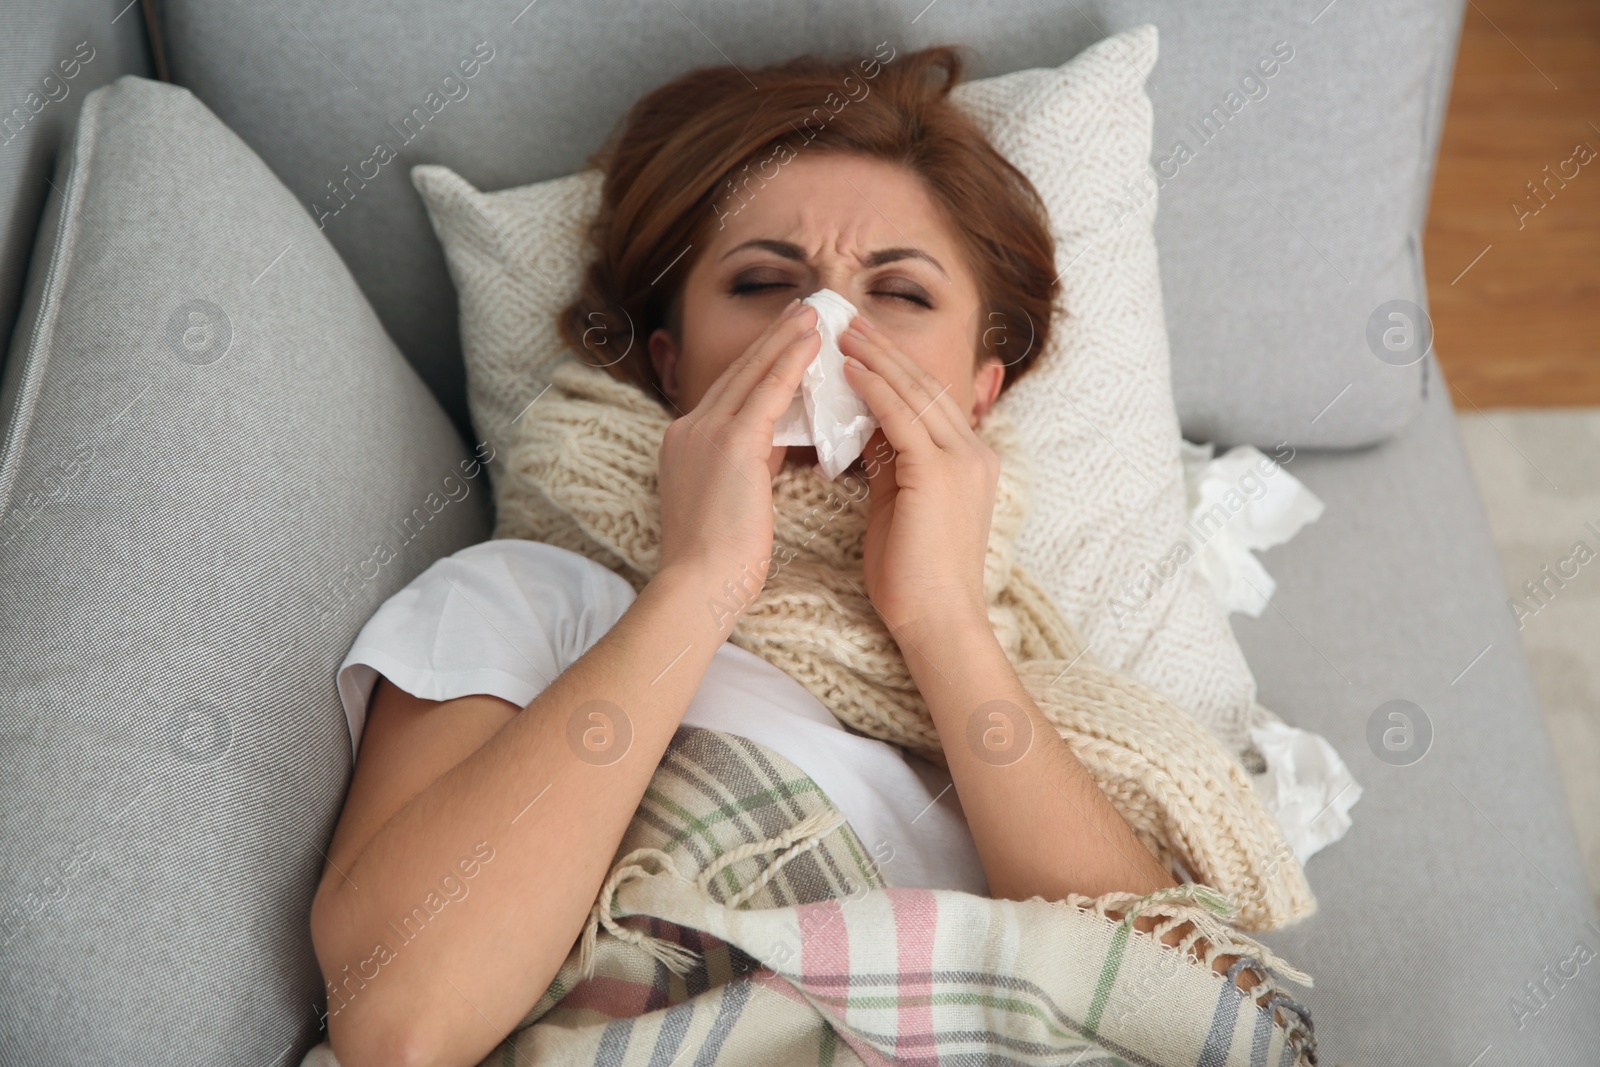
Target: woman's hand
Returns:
[[932, 481], [716, 471]]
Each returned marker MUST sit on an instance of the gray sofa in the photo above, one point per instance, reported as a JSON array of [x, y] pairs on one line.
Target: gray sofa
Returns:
[[232, 423]]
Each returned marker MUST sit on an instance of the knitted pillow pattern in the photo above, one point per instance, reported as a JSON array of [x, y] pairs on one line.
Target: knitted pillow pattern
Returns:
[[1096, 411]]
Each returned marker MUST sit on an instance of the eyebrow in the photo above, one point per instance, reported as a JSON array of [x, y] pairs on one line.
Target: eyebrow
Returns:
[[792, 251]]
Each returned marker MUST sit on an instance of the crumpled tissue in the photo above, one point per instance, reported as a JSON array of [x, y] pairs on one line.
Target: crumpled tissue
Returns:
[[826, 413], [1239, 501], [1306, 786]]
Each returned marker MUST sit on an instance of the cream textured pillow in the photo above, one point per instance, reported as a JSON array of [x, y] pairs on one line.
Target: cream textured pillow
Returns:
[[1096, 410]]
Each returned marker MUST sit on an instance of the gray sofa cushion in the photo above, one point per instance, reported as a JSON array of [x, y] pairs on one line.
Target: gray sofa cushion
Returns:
[[52, 54], [1280, 237], [1460, 881], [215, 465]]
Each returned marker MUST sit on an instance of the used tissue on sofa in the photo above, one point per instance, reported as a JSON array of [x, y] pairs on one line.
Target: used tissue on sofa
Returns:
[[1239, 503], [1307, 786], [826, 413]]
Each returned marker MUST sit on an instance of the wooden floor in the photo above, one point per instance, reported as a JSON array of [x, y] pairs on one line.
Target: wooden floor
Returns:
[[1514, 277]]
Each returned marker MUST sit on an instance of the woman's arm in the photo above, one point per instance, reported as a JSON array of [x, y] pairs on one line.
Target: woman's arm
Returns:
[[1042, 826], [474, 838]]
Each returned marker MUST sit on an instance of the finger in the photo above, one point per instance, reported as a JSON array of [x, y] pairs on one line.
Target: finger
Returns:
[[942, 394], [929, 400], [933, 400], [877, 460], [732, 388], [904, 431], [714, 394], [772, 394]]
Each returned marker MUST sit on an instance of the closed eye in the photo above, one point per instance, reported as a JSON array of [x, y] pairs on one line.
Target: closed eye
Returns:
[[749, 287], [740, 288], [913, 298]]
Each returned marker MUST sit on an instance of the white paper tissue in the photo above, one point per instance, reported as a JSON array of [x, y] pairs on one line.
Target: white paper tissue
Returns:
[[825, 412], [1240, 501], [1306, 786]]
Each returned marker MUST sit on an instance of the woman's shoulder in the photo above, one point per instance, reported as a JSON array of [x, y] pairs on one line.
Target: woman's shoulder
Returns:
[[509, 580], [508, 565], [532, 563], [504, 617]]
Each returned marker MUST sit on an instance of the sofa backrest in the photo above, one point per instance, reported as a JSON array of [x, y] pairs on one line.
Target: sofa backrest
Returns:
[[1291, 211], [1293, 215], [214, 468], [52, 53]]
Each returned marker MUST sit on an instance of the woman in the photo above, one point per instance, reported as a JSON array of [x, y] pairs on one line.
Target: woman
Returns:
[[722, 206]]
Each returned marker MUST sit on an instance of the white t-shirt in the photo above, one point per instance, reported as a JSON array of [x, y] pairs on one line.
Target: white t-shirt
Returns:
[[506, 616]]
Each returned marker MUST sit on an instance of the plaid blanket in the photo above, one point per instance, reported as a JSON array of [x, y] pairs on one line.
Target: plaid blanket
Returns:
[[745, 923]]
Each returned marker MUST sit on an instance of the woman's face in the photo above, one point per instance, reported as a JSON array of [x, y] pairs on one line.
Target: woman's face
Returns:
[[866, 229]]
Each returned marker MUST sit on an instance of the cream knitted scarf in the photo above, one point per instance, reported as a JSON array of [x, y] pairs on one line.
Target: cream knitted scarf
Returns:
[[581, 473]]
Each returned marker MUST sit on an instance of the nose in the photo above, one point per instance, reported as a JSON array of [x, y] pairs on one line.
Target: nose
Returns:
[[838, 276], [833, 269]]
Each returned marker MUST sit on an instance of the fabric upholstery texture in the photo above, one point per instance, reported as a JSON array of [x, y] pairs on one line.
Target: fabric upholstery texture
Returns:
[[52, 54], [1095, 411], [1460, 880], [214, 467], [1280, 235]]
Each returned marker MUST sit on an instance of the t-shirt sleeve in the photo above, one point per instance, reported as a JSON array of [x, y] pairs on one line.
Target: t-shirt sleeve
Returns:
[[502, 617]]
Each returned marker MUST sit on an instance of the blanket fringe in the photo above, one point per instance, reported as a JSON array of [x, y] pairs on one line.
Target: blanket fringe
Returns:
[[797, 840], [1206, 910], [675, 957]]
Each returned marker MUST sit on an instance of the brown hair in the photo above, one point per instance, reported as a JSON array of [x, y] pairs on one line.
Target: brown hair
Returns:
[[687, 153]]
